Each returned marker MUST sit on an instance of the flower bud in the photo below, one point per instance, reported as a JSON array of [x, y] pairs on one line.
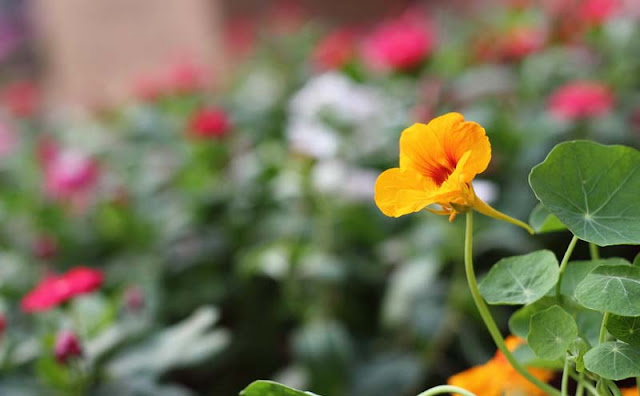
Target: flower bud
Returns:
[[67, 346]]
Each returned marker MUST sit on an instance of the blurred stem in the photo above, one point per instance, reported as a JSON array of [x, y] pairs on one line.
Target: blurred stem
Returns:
[[614, 388], [603, 328], [580, 386], [437, 390], [564, 262], [583, 383], [565, 377], [486, 315], [593, 249]]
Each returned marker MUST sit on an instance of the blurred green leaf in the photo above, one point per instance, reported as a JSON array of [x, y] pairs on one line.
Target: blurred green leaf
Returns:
[[270, 388], [543, 221]]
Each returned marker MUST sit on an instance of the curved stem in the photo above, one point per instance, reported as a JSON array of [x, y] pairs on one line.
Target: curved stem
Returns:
[[603, 328], [564, 262], [437, 390], [565, 378], [486, 315], [593, 250], [487, 210]]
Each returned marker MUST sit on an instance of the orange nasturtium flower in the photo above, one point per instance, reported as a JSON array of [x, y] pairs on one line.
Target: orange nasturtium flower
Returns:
[[629, 392], [438, 161], [498, 378]]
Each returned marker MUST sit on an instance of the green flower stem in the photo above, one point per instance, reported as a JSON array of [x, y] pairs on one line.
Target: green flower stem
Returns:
[[565, 377], [580, 386], [564, 262], [446, 389], [614, 388], [593, 250], [584, 383], [603, 328], [486, 315]]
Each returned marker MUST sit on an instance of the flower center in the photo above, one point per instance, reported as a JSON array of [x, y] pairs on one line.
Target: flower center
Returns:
[[440, 174]]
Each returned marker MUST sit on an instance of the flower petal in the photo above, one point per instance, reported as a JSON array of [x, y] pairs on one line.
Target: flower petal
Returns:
[[402, 191], [435, 149]]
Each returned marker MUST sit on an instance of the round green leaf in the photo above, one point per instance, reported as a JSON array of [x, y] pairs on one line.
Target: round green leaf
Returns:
[[270, 388], [542, 220], [593, 189], [520, 279], [551, 332], [625, 329], [613, 360], [611, 288], [576, 271], [519, 321]]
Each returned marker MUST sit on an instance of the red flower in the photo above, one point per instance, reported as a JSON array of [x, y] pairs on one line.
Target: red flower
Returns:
[[581, 99], [56, 289], [597, 12], [134, 299], [335, 50], [400, 44], [67, 346], [21, 98], [3, 324], [209, 123]]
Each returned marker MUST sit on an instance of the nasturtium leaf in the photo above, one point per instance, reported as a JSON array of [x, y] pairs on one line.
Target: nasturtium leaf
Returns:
[[541, 220], [636, 260], [519, 321], [613, 360], [593, 189], [611, 288], [576, 271], [577, 349], [520, 279], [551, 332], [270, 388], [625, 329]]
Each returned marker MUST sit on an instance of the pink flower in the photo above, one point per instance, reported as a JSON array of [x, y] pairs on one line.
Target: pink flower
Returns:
[[3, 324], [209, 123], [581, 99], [21, 98], [335, 50], [67, 346], [240, 37], [53, 290], [597, 12], [68, 174], [401, 44]]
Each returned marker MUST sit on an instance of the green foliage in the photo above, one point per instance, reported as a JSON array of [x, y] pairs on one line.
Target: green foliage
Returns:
[[521, 319], [613, 360], [611, 288], [593, 190], [625, 329], [520, 279], [543, 221], [270, 388], [576, 271], [551, 333]]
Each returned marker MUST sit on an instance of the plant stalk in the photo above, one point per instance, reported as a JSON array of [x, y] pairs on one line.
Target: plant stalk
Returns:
[[486, 315], [437, 390], [564, 262]]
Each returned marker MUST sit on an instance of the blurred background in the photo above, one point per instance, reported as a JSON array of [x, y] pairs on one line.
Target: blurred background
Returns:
[[186, 186]]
